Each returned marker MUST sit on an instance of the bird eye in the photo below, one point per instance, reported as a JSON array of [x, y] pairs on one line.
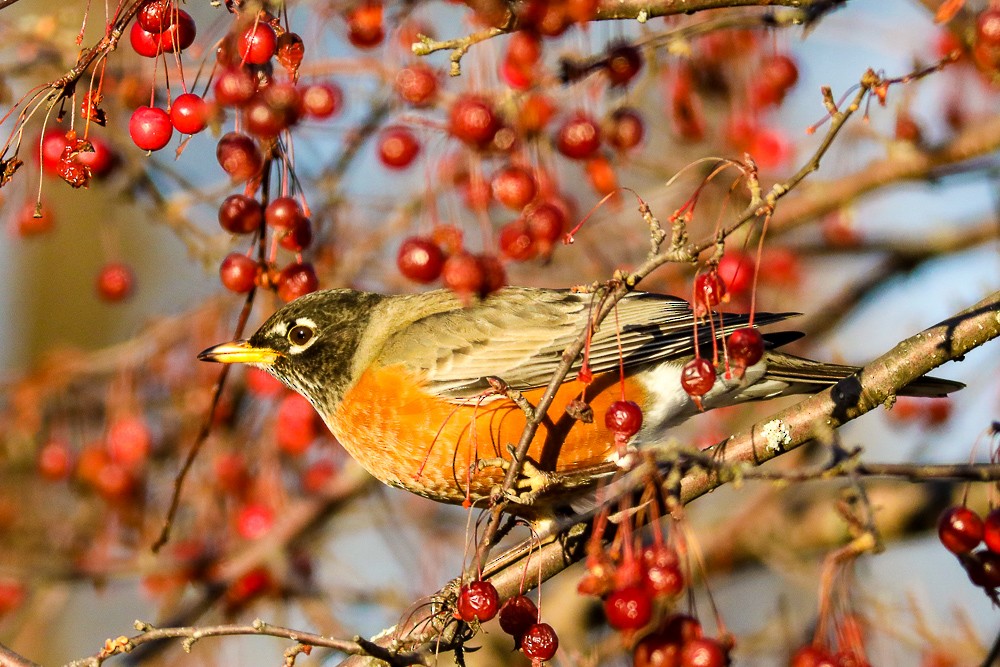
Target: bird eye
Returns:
[[300, 334]]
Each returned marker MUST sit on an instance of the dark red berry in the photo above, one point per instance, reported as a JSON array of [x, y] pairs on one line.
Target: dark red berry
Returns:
[[704, 652], [736, 270], [240, 214], [238, 273], [514, 187], [546, 223], [239, 156], [299, 237], [624, 128], [991, 530], [698, 377], [622, 64], [629, 608], [463, 273], [420, 259], [745, 348], [477, 601], [180, 34], [517, 615], [494, 276], [579, 137], [540, 642], [155, 15], [960, 529], [417, 84], [623, 418], [283, 213], [656, 650], [473, 121], [397, 147], [662, 574], [296, 280], [234, 87], [257, 43], [150, 128], [777, 74], [364, 25], [189, 113]]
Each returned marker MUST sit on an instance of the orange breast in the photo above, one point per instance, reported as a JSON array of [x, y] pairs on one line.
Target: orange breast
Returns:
[[413, 440]]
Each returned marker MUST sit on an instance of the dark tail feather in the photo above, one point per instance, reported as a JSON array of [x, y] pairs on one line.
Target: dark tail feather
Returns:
[[807, 375]]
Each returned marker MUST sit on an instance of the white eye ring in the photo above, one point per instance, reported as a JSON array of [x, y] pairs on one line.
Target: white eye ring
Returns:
[[301, 335]]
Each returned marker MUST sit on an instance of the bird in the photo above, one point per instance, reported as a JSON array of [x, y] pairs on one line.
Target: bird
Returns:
[[408, 383]]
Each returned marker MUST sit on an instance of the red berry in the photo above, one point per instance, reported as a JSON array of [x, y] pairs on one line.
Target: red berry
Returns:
[[115, 282], [129, 441], [150, 128], [289, 51], [240, 214], [625, 128], [524, 48], [234, 87], [254, 521], [322, 100], [239, 156], [296, 280], [517, 615], [777, 74], [704, 652], [477, 601], [991, 530], [770, 148], [189, 113], [629, 608], [736, 270], [397, 147], [813, 656], [115, 482], [298, 238], [238, 273], [622, 63], [579, 137], [296, 425], [420, 259], [55, 460], [318, 475], [145, 43], [745, 348], [180, 34], [601, 175], [417, 85], [155, 15], [12, 595], [516, 242], [473, 121], [656, 650], [540, 642], [988, 28], [494, 276], [230, 470], [535, 113], [662, 571], [984, 569], [27, 224], [257, 44], [698, 377], [364, 25], [960, 529], [623, 418], [546, 223], [709, 291], [514, 187], [283, 213], [463, 273]]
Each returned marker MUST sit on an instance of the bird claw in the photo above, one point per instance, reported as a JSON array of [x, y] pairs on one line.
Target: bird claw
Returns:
[[531, 484]]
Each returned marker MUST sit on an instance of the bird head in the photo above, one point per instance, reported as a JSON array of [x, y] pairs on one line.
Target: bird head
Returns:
[[309, 344]]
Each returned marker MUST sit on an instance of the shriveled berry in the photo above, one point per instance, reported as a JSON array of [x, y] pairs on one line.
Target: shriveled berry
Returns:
[[477, 601], [540, 642], [420, 259], [745, 348], [960, 529], [517, 615], [709, 291]]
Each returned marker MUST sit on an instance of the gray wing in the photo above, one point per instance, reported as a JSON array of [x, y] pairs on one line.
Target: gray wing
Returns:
[[519, 335]]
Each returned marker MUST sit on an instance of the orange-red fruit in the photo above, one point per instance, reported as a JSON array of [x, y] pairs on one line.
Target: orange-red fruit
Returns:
[[464, 274], [420, 259], [115, 282], [254, 521], [704, 652], [29, 225], [257, 44], [516, 242], [812, 656], [365, 25], [579, 137], [514, 187], [55, 460], [322, 100], [417, 84], [736, 270], [12, 595], [296, 280], [129, 441], [960, 529], [629, 608]]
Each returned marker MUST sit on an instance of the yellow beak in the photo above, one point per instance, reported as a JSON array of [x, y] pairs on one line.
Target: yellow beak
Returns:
[[240, 352]]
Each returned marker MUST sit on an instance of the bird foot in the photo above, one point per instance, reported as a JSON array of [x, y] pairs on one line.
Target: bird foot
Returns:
[[531, 484]]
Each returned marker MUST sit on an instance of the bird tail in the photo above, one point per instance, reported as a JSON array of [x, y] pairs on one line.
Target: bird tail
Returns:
[[807, 376]]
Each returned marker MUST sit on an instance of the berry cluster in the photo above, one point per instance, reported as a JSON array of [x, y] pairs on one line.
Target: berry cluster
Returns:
[[478, 602], [961, 530]]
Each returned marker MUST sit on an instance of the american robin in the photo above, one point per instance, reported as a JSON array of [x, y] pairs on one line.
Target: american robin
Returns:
[[403, 382]]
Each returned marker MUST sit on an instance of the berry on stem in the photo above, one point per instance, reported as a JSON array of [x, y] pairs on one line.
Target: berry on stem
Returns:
[[239, 156], [629, 608], [398, 147], [189, 113], [257, 44], [238, 273], [477, 601], [579, 137], [420, 259], [517, 615], [539, 642], [322, 100], [240, 214], [296, 280], [745, 348], [150, 128], [991, 530], [960, 529], [624, 419], [697, 378], [473, 121]]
